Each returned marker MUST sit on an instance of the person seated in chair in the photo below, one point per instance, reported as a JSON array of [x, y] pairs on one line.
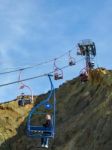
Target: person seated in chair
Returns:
[[21, 101], [22, 96], [84, 77], [47, 124]]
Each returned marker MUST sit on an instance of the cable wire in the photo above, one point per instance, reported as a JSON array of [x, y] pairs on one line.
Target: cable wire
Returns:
[[35, 65], [38, 76]]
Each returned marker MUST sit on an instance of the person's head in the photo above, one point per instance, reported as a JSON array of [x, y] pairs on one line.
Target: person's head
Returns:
[[48, 117]]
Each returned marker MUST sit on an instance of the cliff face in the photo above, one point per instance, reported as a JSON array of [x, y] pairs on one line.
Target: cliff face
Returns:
[[83, 116]]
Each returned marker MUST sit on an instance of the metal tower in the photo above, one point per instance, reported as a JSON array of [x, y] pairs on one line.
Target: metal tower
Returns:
[[87, 49]]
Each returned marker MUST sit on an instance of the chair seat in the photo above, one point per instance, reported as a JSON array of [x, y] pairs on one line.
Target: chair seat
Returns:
[[35, 135], [40, 132], [40, 128]]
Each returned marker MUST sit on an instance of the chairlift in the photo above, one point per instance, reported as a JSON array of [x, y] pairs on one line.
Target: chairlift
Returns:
[[23, 99], [71, 60], [39, 131], [58, 73], [83, 75]]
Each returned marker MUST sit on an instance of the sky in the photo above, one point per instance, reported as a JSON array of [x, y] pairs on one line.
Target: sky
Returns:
[[33, 31]]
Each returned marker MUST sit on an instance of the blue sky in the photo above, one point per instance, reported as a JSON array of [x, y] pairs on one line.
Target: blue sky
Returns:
[[32, 31]]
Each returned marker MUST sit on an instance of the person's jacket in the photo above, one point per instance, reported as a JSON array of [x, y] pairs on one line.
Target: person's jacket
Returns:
[[48, 124]]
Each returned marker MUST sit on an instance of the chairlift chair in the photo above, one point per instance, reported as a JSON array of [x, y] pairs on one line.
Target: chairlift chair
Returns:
[[83, 76], [22, 101], [58, 73], [39, 131], [71, 60]]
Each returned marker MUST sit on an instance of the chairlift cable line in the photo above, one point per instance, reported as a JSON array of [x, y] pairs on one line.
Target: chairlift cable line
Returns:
[[31, 78], [35, 65]]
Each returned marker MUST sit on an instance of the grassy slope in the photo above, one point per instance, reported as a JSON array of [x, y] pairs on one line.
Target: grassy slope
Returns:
[[84, 119]]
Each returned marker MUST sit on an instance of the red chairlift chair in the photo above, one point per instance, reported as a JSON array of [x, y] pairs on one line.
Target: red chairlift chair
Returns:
[[22, 101], [71, 60], [83, 76], [58, 73]]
